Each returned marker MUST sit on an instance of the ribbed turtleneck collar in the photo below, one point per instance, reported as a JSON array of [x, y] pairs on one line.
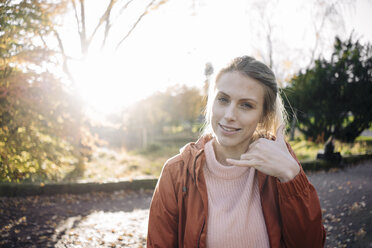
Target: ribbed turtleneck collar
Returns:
[[219, 170]]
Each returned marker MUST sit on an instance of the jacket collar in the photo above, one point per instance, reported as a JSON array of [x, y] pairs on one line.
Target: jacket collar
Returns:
[[193, 157]]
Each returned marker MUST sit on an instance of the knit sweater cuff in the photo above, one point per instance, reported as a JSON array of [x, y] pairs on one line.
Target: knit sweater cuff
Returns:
[[294, 187]]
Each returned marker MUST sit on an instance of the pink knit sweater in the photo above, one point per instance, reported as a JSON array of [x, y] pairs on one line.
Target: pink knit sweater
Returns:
[[235, 215]]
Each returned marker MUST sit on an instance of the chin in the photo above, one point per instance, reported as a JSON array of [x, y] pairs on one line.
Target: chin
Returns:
[[227, 142]]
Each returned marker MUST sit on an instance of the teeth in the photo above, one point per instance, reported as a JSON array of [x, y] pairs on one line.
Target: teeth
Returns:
[[229, 129]]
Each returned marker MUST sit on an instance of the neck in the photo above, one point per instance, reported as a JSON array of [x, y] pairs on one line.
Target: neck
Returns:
[[222, 152]]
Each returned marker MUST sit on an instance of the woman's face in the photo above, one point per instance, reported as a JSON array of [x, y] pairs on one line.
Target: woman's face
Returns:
[[236, 111]]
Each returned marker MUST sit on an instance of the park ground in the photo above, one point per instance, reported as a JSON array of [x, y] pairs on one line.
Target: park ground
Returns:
[[119, 219]]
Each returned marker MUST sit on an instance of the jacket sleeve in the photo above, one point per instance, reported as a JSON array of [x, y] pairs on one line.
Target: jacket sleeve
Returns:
[[163, 217], [300, 212]]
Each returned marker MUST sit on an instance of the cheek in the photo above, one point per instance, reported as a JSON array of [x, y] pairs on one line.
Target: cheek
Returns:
[[216, 111], [252, 120]]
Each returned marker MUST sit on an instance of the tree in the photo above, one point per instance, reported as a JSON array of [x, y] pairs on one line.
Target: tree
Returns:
[[102, 30], [270, 21], [37, 113], [334, 97], [208, 71], [42, 125], [157, 114], [97, 33]]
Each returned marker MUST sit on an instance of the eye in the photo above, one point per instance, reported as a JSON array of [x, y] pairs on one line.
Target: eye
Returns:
[[246, 105], [223, 99]]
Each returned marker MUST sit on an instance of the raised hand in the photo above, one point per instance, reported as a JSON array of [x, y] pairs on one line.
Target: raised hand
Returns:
[[271, 157]]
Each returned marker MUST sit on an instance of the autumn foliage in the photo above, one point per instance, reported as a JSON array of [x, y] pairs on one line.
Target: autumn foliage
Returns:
[[38, 130]]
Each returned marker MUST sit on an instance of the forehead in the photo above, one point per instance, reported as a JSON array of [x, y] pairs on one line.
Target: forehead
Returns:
[[240, 86]]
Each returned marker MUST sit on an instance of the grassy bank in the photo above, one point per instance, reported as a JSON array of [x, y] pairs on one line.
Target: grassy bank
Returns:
[[307, 150], [109, 165]]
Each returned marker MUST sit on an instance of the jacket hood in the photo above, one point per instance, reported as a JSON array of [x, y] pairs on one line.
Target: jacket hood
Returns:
[[190, 154]]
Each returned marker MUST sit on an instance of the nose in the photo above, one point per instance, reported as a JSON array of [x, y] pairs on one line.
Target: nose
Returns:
[[230, 113]]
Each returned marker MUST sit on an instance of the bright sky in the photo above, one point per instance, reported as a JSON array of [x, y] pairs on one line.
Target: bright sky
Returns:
[[171, 45]]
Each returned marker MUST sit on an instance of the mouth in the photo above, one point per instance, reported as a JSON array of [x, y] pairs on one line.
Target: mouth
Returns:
[[229, 129]]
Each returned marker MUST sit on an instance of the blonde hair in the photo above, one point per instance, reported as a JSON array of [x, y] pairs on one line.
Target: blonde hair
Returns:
[[273, 111]]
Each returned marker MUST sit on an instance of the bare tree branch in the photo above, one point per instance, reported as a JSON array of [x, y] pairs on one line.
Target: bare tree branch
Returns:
[[270, 44], [104, 18], [318, 31], [123, 8], [83, 34], [76, 16], [107, 29], [42, 39], [64, 57], [135, 24]]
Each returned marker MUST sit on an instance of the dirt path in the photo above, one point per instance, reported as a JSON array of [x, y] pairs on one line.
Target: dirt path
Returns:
[[346, 200], [119, 219]]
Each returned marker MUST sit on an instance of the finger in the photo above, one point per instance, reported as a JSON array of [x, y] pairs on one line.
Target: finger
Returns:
[[253, 154], [257, 146], [280, 133], [254, 143], [242, 163], [246, 156]]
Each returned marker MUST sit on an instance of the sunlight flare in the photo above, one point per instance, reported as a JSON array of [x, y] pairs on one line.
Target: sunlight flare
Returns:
[[104, 83]]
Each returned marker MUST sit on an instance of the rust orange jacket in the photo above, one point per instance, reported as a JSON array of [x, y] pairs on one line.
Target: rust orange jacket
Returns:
[[179, 207]]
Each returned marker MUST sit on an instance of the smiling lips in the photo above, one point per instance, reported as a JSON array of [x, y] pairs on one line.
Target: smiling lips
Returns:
[[229, 130]]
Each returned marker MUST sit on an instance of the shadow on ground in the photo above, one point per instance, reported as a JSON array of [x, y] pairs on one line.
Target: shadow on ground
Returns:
[[100, 219]]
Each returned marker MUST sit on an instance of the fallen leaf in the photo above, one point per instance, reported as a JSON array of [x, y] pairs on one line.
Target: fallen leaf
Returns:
[[360, 234]]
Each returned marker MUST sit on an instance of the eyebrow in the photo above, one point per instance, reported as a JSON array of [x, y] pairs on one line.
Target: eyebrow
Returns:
[[243, 99]]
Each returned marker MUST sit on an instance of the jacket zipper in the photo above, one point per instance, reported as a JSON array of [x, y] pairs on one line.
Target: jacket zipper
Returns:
[[194, 165], [194, 170], [201, 231]]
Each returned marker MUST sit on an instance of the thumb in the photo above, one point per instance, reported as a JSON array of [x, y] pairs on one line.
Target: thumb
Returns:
[[241, 163], [280, 133]]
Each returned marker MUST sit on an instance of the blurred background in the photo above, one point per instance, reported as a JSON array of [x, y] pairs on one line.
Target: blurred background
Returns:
[[108, 90]]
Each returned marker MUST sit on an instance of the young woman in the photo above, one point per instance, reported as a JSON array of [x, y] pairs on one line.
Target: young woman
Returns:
[[240, 184]]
